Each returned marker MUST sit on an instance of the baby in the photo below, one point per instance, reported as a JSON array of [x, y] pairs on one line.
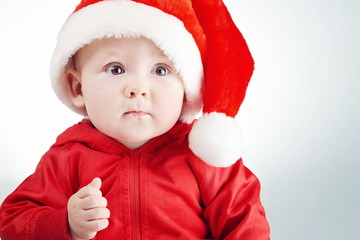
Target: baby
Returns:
[[138, 167]]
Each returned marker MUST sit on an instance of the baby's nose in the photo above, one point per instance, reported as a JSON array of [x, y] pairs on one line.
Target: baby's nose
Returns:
[[138, 89]]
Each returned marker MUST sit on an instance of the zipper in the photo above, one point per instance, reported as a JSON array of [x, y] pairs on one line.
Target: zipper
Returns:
[[135, 198]]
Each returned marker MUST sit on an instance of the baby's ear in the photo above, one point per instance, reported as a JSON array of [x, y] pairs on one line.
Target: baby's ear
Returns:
[[73, 82]]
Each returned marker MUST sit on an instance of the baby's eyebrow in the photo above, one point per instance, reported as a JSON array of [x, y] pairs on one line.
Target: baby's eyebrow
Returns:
[[163, 58]]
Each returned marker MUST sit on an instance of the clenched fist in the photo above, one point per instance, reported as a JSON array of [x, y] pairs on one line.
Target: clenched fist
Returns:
[[87, 212]]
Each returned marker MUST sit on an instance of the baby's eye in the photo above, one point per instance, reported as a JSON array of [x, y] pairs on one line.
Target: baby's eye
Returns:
[[115, 70], [160, 70]]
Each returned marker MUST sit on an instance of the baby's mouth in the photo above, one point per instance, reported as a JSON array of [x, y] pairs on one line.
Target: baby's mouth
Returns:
[[136, 113]]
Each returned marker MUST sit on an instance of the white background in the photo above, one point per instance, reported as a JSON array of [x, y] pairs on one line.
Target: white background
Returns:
[[300, 117]]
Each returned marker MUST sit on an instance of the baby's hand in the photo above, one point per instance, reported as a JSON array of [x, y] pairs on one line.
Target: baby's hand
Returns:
[[87, 212]]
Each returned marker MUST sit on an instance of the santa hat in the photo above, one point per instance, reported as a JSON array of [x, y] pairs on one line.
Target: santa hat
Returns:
[[201, 40]]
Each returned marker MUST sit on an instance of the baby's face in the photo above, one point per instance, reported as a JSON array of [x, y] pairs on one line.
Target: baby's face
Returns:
[[130, 89]]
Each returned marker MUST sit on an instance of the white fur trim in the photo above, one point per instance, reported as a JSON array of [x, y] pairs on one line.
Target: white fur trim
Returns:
[[121, 18], [216, 139]]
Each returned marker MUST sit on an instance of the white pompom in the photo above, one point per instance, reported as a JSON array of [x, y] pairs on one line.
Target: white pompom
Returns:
[[217, 140]]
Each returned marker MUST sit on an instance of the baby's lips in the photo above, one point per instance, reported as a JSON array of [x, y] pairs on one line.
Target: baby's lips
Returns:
[[136, 113]]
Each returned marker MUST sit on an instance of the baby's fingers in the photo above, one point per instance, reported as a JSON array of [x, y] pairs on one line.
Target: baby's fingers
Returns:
[[93, 201], [95, 183], [97, 214], [98, 225], [88, 191], [92, 188]]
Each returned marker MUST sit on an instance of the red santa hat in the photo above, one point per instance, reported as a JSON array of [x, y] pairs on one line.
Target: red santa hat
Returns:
[[201, 40]]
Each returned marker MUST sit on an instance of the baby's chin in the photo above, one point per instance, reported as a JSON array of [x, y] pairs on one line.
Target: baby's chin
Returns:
[[134, 141]]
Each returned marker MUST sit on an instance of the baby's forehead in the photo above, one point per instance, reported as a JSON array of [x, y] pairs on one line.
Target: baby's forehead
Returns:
[[124, 46]]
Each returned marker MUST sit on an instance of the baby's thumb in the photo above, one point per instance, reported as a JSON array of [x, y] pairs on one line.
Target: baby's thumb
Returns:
[[96, 183]]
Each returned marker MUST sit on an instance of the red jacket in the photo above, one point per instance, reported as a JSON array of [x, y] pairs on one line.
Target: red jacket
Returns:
[[160, 191]]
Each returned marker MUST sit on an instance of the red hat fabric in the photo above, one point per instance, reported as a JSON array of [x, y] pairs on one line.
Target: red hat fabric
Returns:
[[202, 41]]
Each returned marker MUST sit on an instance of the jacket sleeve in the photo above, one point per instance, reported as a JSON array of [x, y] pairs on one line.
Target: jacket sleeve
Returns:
[[232, 206], [37, 208]]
